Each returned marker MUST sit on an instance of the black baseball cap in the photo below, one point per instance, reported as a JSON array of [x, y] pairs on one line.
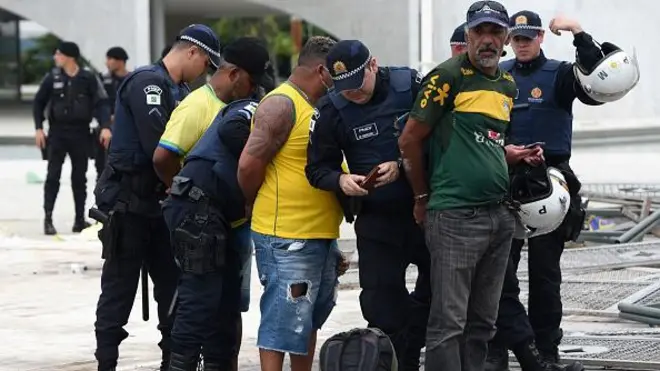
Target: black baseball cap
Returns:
[[487, 12], [69, 48], [205, 38], [458, 37], [525, 23], [118, 53], [250, 54], [346, 61]]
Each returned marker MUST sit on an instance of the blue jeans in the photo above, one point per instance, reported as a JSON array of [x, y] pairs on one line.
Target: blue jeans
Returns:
[[300, 290]]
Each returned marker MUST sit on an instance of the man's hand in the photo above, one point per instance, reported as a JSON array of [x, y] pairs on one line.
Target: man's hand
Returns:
[[387, 173], [342, 265], [350, 185], [515, 154], [40, 139], [104, 137], [419, 210], [562, 23]]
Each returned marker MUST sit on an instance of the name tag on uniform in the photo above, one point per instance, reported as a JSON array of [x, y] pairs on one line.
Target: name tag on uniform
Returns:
[[58, 85], [366, 131]]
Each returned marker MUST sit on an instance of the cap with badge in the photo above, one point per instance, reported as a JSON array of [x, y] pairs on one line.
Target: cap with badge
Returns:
[[205, 38], [487, 12], [526, 24], [458, 37], [347, 61], [250, 54]]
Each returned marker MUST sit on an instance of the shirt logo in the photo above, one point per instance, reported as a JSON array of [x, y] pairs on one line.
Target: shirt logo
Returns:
[[152, 94], [536, 95]]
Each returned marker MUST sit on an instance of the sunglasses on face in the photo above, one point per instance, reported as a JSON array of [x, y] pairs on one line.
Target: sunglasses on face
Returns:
[[480, 5]]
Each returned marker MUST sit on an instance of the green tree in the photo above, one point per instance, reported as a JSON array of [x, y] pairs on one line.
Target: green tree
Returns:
[[38, 59]]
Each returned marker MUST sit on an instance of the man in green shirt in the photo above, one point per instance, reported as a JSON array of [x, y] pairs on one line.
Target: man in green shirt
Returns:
[[464, 109]]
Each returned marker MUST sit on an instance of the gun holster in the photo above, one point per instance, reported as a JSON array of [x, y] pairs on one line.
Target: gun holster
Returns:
[[200, 244]]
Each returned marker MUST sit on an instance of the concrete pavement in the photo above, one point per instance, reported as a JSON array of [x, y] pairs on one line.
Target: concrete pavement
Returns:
[[49, 286]]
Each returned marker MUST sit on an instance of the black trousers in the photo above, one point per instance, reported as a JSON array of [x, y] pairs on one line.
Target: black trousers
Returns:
[[100, 154], [60, 143], [387, 244], [146, 240]]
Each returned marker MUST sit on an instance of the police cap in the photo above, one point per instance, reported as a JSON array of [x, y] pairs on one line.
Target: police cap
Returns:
[[526, 24], [118, 53], [346, 62], [205, 38], [251, 55], [458, 37]]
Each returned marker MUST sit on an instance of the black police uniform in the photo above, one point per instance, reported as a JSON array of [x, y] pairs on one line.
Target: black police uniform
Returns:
[[73, 101], [129, 191], [388, 239], [542, 113], [111, 83], [204, 199]]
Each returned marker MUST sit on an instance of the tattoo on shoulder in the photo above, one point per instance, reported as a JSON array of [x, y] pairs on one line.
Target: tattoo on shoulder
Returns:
[[273, 121]]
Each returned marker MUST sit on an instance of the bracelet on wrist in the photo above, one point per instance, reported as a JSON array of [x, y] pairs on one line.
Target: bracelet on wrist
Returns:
[[421, 197]]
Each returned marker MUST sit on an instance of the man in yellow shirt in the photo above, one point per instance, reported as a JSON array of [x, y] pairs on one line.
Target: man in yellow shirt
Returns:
[[294, 226], [233, 80]]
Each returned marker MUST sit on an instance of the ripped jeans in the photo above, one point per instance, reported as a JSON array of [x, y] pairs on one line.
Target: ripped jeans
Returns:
[[300, 290]]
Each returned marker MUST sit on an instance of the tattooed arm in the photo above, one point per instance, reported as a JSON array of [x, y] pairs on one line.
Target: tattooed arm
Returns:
[[273, 121]]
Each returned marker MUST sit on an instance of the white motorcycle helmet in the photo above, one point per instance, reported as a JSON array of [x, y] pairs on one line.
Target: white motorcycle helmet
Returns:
[[544, 200], [612, 78]]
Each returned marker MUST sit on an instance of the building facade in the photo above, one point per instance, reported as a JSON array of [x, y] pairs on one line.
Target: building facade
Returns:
[[399, 32]]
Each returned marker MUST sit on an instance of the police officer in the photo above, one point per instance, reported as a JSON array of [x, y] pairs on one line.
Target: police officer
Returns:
[[244, 72], [204, 203], [129, 191], [547, 89], [74, 96], [362, 117], [116, 58]]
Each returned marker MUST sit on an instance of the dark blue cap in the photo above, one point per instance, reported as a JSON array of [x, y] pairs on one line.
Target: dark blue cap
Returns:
[[526, 23], [346, 62], [205, 38], [487, 12], [458, 37]]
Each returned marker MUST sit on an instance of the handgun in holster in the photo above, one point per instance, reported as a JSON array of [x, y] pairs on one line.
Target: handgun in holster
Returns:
[[200, 241]]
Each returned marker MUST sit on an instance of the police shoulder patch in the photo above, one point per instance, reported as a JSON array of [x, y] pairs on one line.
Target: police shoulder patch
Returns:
[[152, 93]]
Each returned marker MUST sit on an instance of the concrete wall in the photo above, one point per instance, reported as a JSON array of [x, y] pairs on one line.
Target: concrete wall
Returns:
[[605, 20], [94, 25], [383, 25]]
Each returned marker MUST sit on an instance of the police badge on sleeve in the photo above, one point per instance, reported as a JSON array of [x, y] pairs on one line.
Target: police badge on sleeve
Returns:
[[153, 92]]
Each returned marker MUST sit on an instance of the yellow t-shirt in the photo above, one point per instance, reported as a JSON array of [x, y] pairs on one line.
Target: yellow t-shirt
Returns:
[[190, 119], [287, 206]]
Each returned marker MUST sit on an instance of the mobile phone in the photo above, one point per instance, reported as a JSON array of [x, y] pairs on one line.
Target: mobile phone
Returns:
[[532, 145], [370, 180]]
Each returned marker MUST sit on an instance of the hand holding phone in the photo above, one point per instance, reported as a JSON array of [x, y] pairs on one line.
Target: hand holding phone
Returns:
[[535, 144], [370, 180]]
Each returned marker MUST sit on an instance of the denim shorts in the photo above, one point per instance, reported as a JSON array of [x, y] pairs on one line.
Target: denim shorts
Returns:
[[242, 242], [286, 321]]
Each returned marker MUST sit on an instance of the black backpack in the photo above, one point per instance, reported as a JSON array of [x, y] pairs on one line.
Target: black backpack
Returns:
[[360, 349]]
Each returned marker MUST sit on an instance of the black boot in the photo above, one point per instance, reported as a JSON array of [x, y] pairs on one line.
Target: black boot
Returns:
[[79, 224], [49, 228], [497, 359], [165, 361], [179, 362], [530, 359]]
